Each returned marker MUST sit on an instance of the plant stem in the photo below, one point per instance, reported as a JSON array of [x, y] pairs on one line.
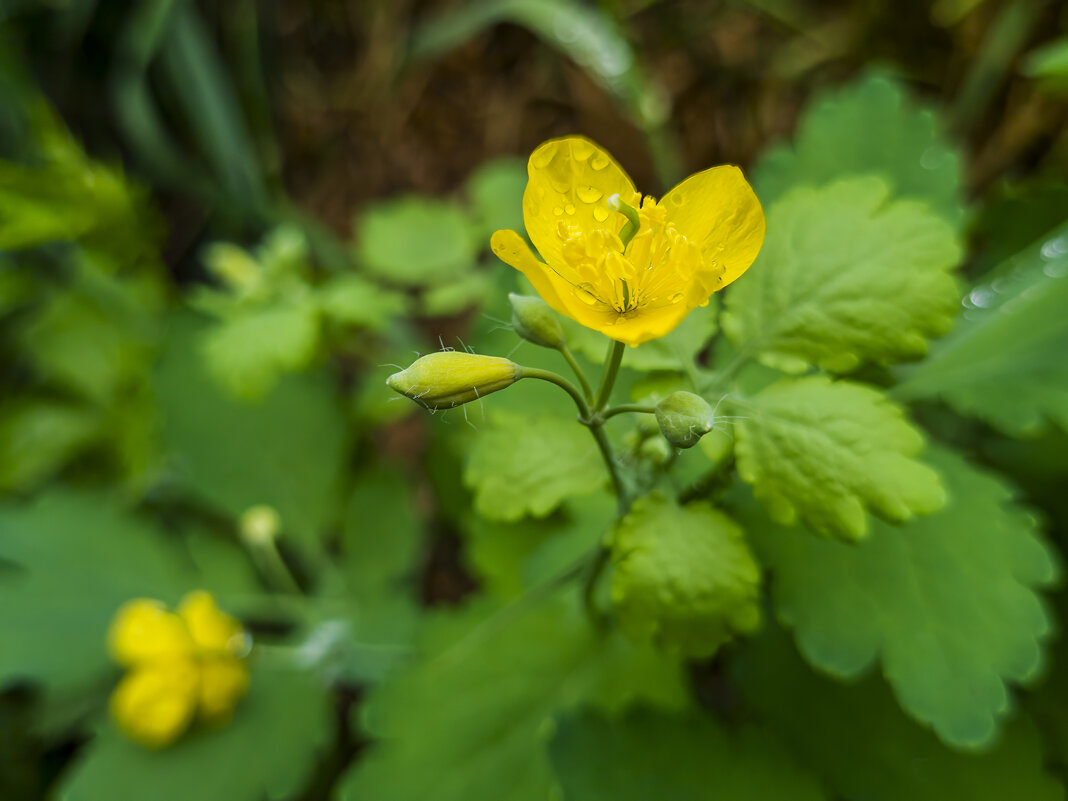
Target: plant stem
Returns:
[[564, 384], [569, 357], [623, 408], [608, 379]]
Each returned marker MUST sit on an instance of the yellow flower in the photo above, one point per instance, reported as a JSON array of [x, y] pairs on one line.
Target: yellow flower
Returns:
[[701, 236], [179, 665]]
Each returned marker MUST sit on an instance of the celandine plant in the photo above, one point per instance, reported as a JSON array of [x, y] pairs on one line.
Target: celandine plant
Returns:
[[631, 268]]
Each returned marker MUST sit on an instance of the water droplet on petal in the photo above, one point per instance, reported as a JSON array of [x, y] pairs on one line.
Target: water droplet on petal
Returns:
[[675, 297], [544, 155], [586, 293], [599, 161], [600, 213], [569, 208], [581, 149], [589, 194], [558, 211]]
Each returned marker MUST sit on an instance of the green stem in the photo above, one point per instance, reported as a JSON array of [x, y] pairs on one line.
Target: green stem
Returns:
[[608, 379], [274, 566], [623, 408], [569, 357], [564, 384]]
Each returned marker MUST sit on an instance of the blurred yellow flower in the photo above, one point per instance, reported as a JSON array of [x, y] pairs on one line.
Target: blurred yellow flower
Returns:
[[179, 665], [580, 210]]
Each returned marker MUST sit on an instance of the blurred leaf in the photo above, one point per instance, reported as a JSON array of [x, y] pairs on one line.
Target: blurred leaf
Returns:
[[1048, 64], [38, 436], [827, 452], [268, 750], [496, 193], [859, 741], [415, 241], [683, 576], [529, 465], [847, 275], [870, 126], [948, 603], [77, 557], [1013, 216], [1004, 362], [456, 296], [248, 351], [509, 558], [351, 300], [647, 754], [672, 352], [287, 451], [467, 722]]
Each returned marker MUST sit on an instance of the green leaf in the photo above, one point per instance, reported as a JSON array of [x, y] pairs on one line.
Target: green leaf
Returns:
[[1048, 62], [415, 240], [78, 558], [496, 193], [948, 604], [269, 750], [870, 126], [529, 465], [859, 741], [352, 300], [847, 275], [676, 351], [249, 350], [1004, 362], [287, 451], [683, 576], [648, 754], [468, 722], [826, 452], [457, 296], [38, 436]]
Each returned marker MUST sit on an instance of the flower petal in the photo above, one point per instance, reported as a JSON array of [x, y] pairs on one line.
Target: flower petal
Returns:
[[648, 324], [144, 631], [569, 181], [554, 290], [154, 705], [223, 681], [717, 210], [212, 630]]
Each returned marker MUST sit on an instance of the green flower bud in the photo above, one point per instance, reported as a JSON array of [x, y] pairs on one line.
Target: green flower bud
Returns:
[[684, 418], [453, 378], [535, 322]]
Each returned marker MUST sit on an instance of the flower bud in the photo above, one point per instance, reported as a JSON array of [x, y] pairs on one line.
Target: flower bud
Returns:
[[452, 378], [684, 418], [535, 322]]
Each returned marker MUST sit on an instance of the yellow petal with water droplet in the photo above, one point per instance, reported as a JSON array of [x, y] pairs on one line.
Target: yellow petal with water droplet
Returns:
[[561, 174], [717, 210]]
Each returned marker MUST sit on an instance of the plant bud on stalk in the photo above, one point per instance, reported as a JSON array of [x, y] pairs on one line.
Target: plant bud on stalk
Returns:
[[535, 322], [452, 378], [684, 418]]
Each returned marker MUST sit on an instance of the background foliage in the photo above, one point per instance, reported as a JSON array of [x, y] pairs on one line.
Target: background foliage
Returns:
[[222, 223]]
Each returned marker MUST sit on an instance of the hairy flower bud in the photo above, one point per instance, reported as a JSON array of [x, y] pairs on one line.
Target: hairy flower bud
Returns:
[[536, 322], [452, 378], [684, 418]]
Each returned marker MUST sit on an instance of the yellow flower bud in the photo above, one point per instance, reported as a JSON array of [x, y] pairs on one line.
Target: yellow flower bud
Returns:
[[452, 378], [535, 321]]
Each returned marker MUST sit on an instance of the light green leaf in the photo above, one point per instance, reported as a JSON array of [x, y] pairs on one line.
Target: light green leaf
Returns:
[[646, 755], [826, 452], [456, 296], [1005, 361], [847, 275], [269, 750], [286, 451], [948, 604], [870, 126], [351, 300], [676, 351], [38, 436], [250, 349], [79, 557], [859, 741], [415, 240], [496, 193], [683, 576], [1048, 62], [529, 465], [468, 722]]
